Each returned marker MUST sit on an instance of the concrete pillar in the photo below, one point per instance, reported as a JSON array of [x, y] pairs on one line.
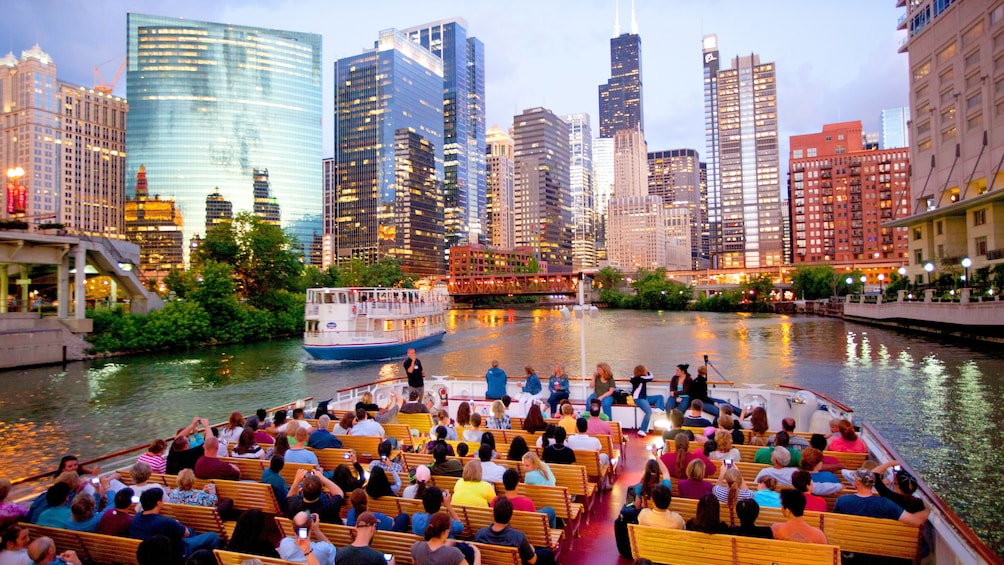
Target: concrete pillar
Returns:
[[79, 278], [964, 296], [24, 281], [900, 295], [862, 299], [4, 283], [878, 300], [929, 295], [63, 288], [113, 292]]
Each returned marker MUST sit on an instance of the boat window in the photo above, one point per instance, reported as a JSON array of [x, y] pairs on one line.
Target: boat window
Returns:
[[342, 298], [329, 298]]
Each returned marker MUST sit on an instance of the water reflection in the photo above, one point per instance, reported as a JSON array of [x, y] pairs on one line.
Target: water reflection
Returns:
[[924, 396]]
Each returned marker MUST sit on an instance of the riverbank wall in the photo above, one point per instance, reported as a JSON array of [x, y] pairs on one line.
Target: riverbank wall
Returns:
[[27, 339]]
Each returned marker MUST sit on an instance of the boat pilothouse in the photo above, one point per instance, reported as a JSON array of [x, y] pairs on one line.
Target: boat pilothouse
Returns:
[[356, 323]]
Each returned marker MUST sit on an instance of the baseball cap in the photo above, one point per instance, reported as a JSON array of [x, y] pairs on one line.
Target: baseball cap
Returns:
[[422, 473], [366, 519], [865, 476]]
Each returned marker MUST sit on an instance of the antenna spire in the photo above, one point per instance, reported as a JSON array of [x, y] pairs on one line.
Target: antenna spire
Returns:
[[634, 22], [617, 18]]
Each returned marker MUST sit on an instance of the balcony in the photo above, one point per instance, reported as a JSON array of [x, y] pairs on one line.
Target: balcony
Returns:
[[995, 254], [901, 22], [902, 45]]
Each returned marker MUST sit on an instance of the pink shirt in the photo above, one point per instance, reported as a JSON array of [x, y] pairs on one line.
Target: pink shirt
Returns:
[[838, 443], [597, 426], [157, 463], [519, 503]]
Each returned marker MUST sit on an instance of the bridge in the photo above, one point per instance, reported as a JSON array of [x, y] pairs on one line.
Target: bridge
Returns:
[[524, 285]]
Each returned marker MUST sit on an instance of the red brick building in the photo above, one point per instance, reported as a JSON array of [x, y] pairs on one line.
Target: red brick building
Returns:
[[842, 193], [480, 260]]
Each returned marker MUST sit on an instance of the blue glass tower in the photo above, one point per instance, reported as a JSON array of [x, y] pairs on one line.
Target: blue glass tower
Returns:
[[465, 185], [213, 103], [389, 156]]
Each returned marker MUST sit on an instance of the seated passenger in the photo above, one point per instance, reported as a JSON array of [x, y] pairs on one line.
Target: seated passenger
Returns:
[[676, 461], [830, 463], [641, 494], [558, 452], [246, 447], [321, 438], [417, 490], [661, 516], [596, 423], [247, 536], [444, 466], [904, 486], [14, 546], [295, 549], [443, 419], [796, 528], [344, 426], [747, 512], [501, 533], [470, 490], [433, 500], [499, 420], [43, 550], [796, 442], [187, 447], [780, 471], [441, 435], [437, 549], [318, 496], [695, 416], [57, 512], [115, 520], [731, 488], [299, 453], [802, 482], [723, 447], [84, 513], [707, 519], [781, 439], [490, 471], [271, 477], [209, 465], [823, 482], [694, 486], [365, 426], [474, 432], [148, 523], [414, 404], [535, 471], [359, 502], [586, 442], [510, 482], [390, 466], [186, 494], [154, 457], [865, 503], [847, 440], [766, 494], [567, 420]]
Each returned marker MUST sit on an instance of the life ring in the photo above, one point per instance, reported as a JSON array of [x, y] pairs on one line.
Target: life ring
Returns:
[[353, 308]]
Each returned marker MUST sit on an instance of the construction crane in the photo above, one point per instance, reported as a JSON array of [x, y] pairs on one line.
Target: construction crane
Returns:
[[99, 82]]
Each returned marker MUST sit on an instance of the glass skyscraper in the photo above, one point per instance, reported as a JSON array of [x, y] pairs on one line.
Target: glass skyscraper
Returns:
[[214, 103], [620, 98], [581, 183], [389, 156], [464, 183], [895, 128]]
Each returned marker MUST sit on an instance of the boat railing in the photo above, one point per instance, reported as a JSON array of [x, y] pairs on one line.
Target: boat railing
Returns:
[[398, 308], [950, 529]]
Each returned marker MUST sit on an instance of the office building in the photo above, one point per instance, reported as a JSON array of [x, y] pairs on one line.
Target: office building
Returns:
[[636, 221], [266, 206], [464, 185], [603, 188], [543, 198], [68, 140], [389, 156], [155, 225], [500, 227], [218, 209], [956, 134], [744, 194], [895, 128], [329, 198], [486, 261], [842, 194], [675, 176], [580, 139], [705, 226], [215, 102], [621, 97]]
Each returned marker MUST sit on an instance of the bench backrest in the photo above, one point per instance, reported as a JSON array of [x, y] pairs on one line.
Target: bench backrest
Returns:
[[420, 422], [876, 536], [695, 548], [250, 468], [232, 558], [396, 543], [365, 446], [111, 550], [200, 518], [247, 495], [556, 497], [572, 477], [533, 524], [330, 459]]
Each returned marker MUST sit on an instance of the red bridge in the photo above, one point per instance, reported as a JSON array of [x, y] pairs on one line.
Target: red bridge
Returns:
[[564, 283]]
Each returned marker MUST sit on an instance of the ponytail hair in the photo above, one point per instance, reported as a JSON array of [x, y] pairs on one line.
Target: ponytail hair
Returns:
[[734, 478], [682, 443]]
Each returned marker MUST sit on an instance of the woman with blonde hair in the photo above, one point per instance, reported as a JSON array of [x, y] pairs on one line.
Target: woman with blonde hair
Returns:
[[470, 490], [730, 489], [603, 388], [186, 494], [725, 450], [535, 471], [499, 420], [694, 486]]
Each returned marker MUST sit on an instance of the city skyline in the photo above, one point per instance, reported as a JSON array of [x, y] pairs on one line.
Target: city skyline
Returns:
[[817, 84]]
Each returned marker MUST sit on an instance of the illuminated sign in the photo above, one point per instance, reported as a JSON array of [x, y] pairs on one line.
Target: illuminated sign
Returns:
[[709, 57]]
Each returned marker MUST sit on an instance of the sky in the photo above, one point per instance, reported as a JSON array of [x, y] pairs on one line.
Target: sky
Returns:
[[836, 61]]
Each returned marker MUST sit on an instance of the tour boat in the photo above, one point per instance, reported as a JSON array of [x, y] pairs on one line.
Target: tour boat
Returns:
[[358, 324]]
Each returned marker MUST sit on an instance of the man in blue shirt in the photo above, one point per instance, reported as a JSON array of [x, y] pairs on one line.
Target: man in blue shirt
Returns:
[[149, 523], [496, 382], [432, 502], [865, 503], [271, 477], [322, 438]]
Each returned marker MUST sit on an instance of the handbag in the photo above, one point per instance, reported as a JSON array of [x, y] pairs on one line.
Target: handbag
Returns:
[[621, 396]]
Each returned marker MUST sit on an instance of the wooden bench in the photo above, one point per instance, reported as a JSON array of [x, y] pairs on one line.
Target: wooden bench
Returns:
[[329, 459], [421, 423], [687, 508], [231, 558], [443, 482], [250, 468], [533, 524], [399, 544], [200, 518], [695, 548], [400, 431], [576, 480], [558, 498], [98, 548], [875, 536], [247, 495], [365, 447], [591, 461]]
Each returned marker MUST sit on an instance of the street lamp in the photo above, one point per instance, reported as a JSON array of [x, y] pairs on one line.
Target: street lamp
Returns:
[[849, 281], [881, 279], [966, 263], [929, 267]]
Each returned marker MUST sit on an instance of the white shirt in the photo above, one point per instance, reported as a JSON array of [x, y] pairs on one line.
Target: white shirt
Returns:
[[491, 472], [584, 442], [368, 427], [322, 550]]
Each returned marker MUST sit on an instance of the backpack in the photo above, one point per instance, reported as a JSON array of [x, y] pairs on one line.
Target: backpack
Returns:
[[628, 515]]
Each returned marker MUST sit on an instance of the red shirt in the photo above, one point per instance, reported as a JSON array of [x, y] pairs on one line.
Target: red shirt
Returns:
[[815, 503], [519, 503], [669, 460]]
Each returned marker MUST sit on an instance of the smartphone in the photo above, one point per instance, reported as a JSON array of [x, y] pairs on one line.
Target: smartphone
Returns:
[[896, 468], [388, 556], [649, 446], [310, 473], [302, 533], [95, 481], [135, 500], [728, 462], [347, 456], [445, 494]]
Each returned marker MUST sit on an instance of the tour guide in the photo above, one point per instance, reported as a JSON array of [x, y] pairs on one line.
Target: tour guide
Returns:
[[416, 374]]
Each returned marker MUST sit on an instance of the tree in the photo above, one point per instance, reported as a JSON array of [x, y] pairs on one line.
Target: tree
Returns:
[[260, 253], [656, 292], [811, 282], [181, 283], [757, 289], [608, 278]]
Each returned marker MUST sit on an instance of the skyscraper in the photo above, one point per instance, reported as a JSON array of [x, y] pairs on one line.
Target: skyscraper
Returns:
[[155, 225], [895, 128], [389, 155], [675, 176], [603, 188], [621, 97], [464, 188], [744, 195], [69, 141], [581, 177], [500, 229], [543, 199], [218, 209], [841, 194], [215, 102], [266, 206]]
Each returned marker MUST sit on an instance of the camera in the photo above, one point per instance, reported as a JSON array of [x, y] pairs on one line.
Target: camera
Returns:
[[95, 481], [302, 533], [135, 499], [896, 468], [705, 359], [347, 456], [445, 494], [388, 556], [728, 462]]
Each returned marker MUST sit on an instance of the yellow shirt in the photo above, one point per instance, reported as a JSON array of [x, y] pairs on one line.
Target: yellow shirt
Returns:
[[668, 519], [568, 422], [473, 493]]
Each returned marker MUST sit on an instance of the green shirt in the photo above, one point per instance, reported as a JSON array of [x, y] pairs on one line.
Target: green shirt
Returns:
[[600, 388]]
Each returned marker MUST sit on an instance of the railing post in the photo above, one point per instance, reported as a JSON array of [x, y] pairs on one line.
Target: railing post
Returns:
[[929, 295], [964, 297], [900, 295]]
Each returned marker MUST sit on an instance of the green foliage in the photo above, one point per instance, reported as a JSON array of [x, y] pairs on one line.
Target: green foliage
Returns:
[[653, 291], [181, 283], [386, 272], [757, 289], [608, 278], [812, 282], [727, 301]]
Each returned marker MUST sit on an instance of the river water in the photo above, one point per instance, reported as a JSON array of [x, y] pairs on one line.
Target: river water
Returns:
[[938, 404]]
